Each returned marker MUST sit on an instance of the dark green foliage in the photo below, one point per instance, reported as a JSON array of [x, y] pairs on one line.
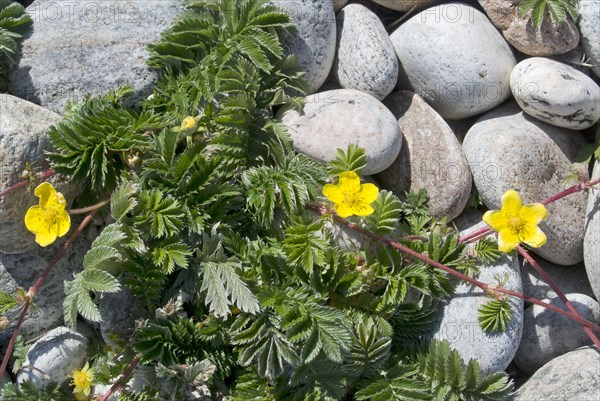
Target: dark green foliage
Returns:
[[351, 159], [558, 10], [28, 391], [494, 315], [14, 23]]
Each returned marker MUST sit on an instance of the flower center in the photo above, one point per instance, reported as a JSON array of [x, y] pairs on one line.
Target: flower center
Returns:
[[515, 223]]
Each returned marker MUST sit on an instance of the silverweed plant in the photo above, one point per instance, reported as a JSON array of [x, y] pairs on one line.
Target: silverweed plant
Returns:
[[226, 238]]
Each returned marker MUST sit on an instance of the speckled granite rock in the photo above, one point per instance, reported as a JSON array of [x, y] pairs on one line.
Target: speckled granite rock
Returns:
[[589, 27], [591, 240], [88, 47]]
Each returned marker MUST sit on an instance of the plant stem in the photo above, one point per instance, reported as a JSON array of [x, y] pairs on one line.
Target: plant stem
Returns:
[[482, 232], [122, 380], [88, 209], [558, 292], [36, 286], [41, 176], [575, 188]]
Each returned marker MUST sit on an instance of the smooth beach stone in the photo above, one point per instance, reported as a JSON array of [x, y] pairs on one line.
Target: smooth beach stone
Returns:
[[365, 57], [457, 319], [314, 41], [508, 149], [116, 310], [431, 157], [23, 139], [556, 93], [572, 376], [334, 119], [404, 5], [546, 334], [53, 357], [550, 38], [589, 28], [89, 47], [591, 239], [454, 58], [22, 270]]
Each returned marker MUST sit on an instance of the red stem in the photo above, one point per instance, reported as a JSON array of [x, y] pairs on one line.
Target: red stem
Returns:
[[41, 176], [122, 380], [36, 286], [476, 234], [575, 188], [557, 290]]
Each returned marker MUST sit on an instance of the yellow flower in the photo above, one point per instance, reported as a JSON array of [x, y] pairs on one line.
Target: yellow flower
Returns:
[[82, 380], [350, 197], [516, 223], [48, 220], [189, 125]]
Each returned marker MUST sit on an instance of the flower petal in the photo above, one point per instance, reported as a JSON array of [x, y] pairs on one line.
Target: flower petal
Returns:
[[507, 240], [368, 193], [496, 219], [533, 213], [333, 193], [35, 219], [63, 222], [343, 209], [362, 209], [511, 202], [44, 191], [533, 236], [46, 237], [349, 182]]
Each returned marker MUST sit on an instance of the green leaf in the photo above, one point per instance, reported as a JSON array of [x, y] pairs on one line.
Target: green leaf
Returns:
[[353, 159], [7, 302], [494, 316], [171, 255], [386, 216], [122, 200], [305, 246]]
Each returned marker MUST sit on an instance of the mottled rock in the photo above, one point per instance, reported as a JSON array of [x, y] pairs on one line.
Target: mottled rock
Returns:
[[335, 119], [549, 39], [404, 5], [89, 47], [591, 240], [455, 59], [507, 149], [339, 4], [21, 271], [431, 157], [365, 57], [547, 334], [572, 376], [314, 42], [23, 139], [117, 317], [556, 93], [589, 28], [53, 357]]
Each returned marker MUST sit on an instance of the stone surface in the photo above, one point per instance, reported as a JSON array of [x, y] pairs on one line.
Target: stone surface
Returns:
[[572, 376], [507, 149], [457, 320], [455, 59], [591, 240], [431, 157], [23, 270], [117, 318], [53, 357], [23, 139], [314, 43], [365, 57], [339, 4], [335, 119], [547, 334], [89, 47], [404, 5], [546, 40], [556, 93], [589, 28]]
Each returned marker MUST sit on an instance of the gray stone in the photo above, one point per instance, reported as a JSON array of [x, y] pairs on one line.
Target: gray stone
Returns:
[[339, 4], [547, 334], [507, 149], [404, 5], [89, 47], [591, 240], [53, 357], [455, 59], [23, 139], [568, 278], [335, 119], [548, 39], [469, 221], [117, 317], [101, 389], [314, 42], [431, 157], [589, 28], [365, 57], [457, 320], [21, 271], [573, 376], [556, 93]]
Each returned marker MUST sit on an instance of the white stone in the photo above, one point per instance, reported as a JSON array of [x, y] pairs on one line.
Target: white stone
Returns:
[[556, 93], [365, 57], [509, 150], [589, 29], [546, 334], [334, 119], [404, 5], [591, 240], [455, 59]]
